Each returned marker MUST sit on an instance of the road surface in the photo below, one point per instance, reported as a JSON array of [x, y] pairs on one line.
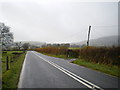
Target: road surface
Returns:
[[41, 71]]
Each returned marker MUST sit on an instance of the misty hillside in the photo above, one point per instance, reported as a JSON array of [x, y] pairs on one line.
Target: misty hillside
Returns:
[[103, 41]]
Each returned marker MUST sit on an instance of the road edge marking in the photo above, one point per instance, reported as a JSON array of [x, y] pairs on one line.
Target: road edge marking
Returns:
[[71, 74], [22, 71]]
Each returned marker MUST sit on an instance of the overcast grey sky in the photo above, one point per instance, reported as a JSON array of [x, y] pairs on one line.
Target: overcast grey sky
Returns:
[[56, 21]]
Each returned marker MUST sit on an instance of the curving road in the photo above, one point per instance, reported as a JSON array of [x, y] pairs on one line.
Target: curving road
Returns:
[[41, 71]]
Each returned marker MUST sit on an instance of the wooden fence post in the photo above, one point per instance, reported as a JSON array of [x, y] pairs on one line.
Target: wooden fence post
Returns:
[[10, 61], [7, 63]]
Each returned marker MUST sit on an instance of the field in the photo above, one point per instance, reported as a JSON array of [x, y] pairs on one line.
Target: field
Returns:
[[10, 76]]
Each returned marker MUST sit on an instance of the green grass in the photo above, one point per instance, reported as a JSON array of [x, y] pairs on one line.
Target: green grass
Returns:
[[73, 48], [58, 56], [4, 55], [111, 70], [10, 77]]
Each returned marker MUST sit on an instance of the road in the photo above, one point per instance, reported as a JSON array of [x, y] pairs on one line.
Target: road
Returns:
[[41, 71]]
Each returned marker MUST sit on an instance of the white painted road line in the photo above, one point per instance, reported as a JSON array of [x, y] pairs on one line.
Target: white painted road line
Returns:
[[22, 72], [74, 76]]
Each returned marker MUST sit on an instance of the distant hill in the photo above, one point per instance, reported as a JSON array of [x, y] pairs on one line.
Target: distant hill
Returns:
[[103, 41]]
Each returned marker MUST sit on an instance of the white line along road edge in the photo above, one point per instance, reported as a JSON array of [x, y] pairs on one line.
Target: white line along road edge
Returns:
[[76, 77], [22, 73]]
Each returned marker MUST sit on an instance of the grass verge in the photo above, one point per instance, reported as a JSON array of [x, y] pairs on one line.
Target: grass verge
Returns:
[[58, 56], [111, 70], [10, 77], [10, 55]]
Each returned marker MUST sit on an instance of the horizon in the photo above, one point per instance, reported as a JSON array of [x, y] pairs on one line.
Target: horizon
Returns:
[[69, 42]]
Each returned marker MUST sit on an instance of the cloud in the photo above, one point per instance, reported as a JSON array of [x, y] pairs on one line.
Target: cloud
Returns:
[[59, 22]]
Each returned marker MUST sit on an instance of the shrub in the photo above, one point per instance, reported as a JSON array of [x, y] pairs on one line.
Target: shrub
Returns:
[[104, 55], [53, 50]]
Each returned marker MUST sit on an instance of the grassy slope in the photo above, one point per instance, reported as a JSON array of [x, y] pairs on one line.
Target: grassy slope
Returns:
[[112, 70], [58, 56], [10, 78], [73, 48]]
